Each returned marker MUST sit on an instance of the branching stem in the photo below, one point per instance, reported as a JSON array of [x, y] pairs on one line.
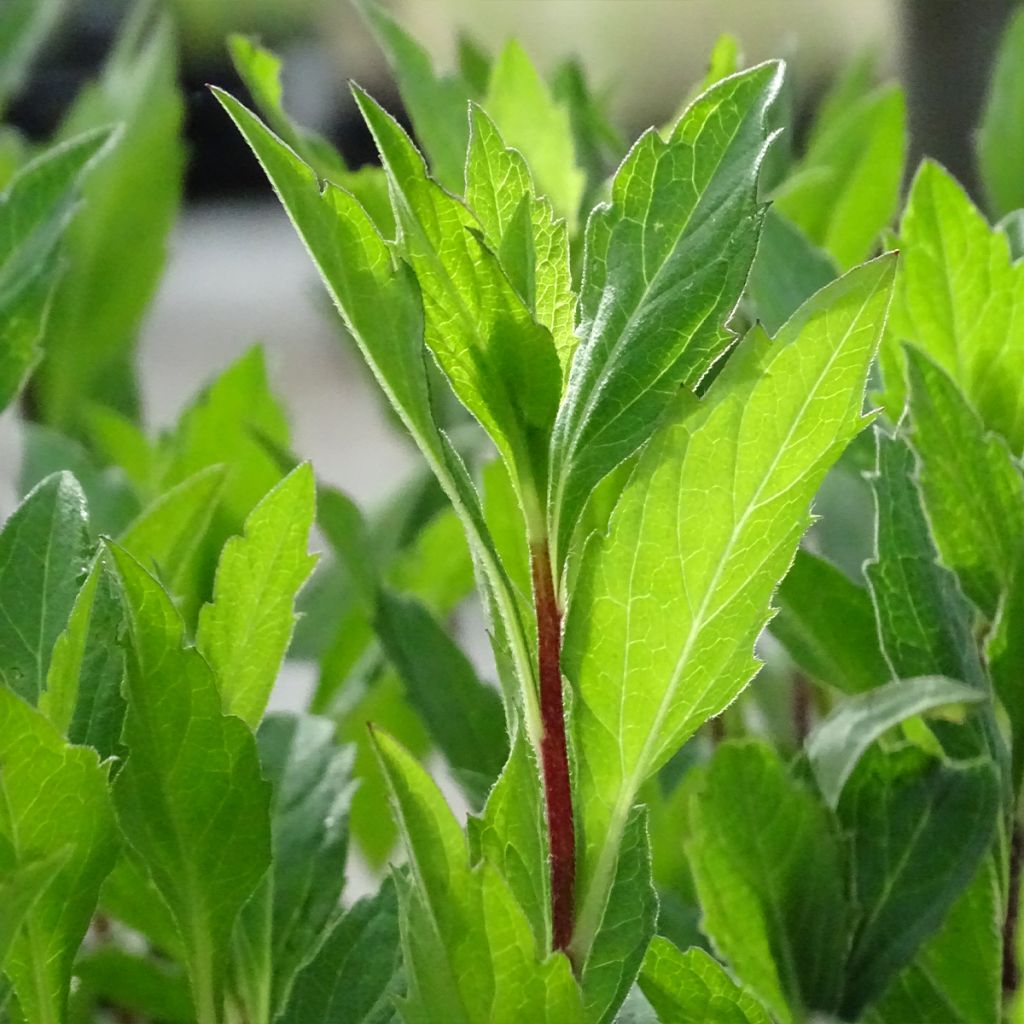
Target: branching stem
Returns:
[[554, 749]]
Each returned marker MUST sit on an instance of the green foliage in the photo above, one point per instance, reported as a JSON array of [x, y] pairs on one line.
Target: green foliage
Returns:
[[632, 391]]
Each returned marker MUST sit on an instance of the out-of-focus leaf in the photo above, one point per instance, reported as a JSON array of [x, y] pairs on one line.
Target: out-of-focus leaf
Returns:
[[20, 886], [1000, 139], [138, 984], [25, 26]]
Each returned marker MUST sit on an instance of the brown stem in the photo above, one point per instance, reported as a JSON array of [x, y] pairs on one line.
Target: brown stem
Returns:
[[1011, 974], [554, 750]]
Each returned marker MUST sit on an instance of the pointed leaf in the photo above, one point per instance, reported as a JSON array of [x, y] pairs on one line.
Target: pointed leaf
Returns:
[[837, 743], [691, 988], [707, 526], [190, 798], [664, 267], [354, 978], [54, 805], [973, 490], [244, 632], [44, 557]]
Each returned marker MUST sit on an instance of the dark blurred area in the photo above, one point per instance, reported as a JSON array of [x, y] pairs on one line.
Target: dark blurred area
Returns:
[[941, 49]]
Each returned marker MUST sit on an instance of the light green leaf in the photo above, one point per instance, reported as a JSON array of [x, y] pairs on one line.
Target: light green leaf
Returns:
[[116, 248], [667, 606], [813, 597], [511, 834], [83, 684], [787, 271], [837, 743], [379, 304], [845, 190], [21, 885], [312, 789], [35, 211], [167, 535], [1000, 140], [355, 976], [521, 228], [25, 26], [190, 798], [626, 928], [692, 988], [532, 121], [501, 364], [957, 977], [44, 557], [960, 299], [463, 714], [54, 806], [437, 105], [244, 632], [973, 490], [664, 267], [766, 859], [469, 951], [919, 829]]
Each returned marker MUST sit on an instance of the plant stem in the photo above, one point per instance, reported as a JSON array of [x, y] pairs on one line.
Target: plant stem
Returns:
[[1011, 974], [554, 749]]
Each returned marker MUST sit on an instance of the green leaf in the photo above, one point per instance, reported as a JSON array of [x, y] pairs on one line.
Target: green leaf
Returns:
[[522, 229], [1000, 139], [501, 364], [919, 828], [116, 248], [664, 267], [354, 978], [190, 798], [766, 859], [957, 976], [925, 621], [436, 104], [787, 271], [21, 885], [692, 988], [312, 789], [469, 951], [532, 121], [626, 928], [168, 534], [837, 743], [44, 557], [143, 985], [812, 598], [35, 211], [973, 490], [511, 835], [54, 806], [960, 299], [666, 608], [83, 684], [244, 632], [845, 190], [25, 25], [463, 714], [1004, 655], [380, 306]]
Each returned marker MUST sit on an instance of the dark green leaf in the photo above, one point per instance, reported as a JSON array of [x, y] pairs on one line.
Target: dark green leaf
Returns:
[[137, 984], [813, 599], [355, 977], [919, 828]]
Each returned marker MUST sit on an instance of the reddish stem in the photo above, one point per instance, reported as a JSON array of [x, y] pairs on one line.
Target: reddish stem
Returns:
[[554, 750]]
